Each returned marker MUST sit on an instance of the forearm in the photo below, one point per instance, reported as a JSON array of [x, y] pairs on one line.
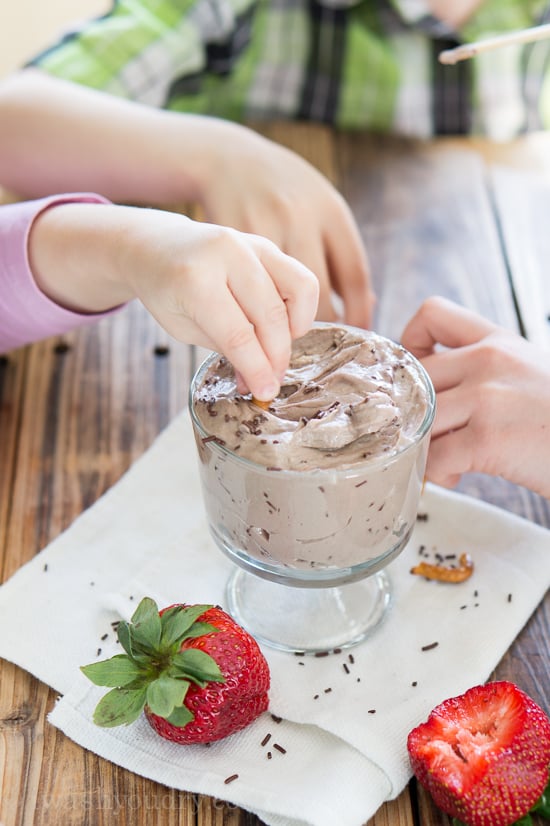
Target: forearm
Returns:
[[77, 256], [57, 136], [27, 313]]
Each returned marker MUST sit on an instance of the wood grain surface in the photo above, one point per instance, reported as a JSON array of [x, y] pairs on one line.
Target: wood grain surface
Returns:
[[76, 412]]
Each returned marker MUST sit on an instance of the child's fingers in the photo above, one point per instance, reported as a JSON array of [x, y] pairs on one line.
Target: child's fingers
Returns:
[[279, 298], [449, 456], [440, 321]]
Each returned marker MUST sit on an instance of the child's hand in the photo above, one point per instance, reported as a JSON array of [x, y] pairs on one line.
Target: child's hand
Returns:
[[226, 290], [131, 153], [493, 397], [206, 285], [258, 186]]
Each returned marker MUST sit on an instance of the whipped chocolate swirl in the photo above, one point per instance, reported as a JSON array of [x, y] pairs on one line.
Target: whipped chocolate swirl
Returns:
[[348, 397]]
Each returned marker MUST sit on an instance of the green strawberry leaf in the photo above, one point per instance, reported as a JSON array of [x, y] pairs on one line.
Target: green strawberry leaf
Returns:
[[164, 694], [177, 621], [118, 707], [180, 716], [197, 666], [145, 629], [199, 629], [123, 634], [117, 672], [134, 648]]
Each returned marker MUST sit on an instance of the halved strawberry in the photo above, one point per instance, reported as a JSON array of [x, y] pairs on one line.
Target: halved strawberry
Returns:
[[484, 756], [197, 674]]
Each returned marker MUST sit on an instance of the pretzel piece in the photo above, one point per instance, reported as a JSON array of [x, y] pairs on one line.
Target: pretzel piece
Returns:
[[443, 573], [263, 404]]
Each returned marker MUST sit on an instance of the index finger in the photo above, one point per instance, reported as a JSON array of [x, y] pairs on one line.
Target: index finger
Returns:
[[440, 321]]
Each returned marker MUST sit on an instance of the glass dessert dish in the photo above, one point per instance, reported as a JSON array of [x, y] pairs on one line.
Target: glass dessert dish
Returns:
[[314, 496]]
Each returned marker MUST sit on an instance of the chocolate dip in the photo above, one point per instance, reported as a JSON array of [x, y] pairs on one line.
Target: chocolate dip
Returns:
[[328, 477]]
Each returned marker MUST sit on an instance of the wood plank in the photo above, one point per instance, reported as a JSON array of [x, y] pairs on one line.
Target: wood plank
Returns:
[[523, 202], [428, 225], [12, 370], [398, 812]]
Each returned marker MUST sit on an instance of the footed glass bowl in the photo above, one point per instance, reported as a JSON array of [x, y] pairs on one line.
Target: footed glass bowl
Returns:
[[310, 546]]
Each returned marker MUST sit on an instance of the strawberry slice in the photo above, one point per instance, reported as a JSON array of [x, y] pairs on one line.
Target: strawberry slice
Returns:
[[484, 756], [196, 674]]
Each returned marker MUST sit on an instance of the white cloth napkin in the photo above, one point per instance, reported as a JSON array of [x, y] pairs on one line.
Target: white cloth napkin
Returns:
[[340, 750]]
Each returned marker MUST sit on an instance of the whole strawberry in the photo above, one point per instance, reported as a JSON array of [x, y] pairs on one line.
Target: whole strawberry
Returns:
[[484, 756], [197, 674]]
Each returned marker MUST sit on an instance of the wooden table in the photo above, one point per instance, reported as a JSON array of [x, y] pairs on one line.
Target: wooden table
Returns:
[[76, 412]]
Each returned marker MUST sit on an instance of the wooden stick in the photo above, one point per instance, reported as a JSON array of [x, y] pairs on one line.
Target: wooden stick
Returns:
[[451, 56]]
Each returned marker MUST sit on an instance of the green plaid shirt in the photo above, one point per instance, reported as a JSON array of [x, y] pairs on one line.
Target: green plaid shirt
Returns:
[[370, 64]]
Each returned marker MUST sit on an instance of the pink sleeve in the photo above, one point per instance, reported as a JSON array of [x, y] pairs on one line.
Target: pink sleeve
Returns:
[[26, 313]]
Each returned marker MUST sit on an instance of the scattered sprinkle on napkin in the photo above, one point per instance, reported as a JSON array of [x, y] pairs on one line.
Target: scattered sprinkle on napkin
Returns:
[[332, 747]]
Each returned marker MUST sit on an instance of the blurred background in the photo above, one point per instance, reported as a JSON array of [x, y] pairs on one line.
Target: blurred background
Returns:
[[27, 26]]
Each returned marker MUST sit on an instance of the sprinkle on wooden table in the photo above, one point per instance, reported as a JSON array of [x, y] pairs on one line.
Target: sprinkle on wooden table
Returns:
[[279, 748], [430, 646], [266, 739], [231, 778]]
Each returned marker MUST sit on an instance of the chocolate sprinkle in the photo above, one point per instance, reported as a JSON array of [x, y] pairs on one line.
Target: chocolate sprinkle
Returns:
[[266, 739], [430, 646], [231, 778], [279, 748]]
